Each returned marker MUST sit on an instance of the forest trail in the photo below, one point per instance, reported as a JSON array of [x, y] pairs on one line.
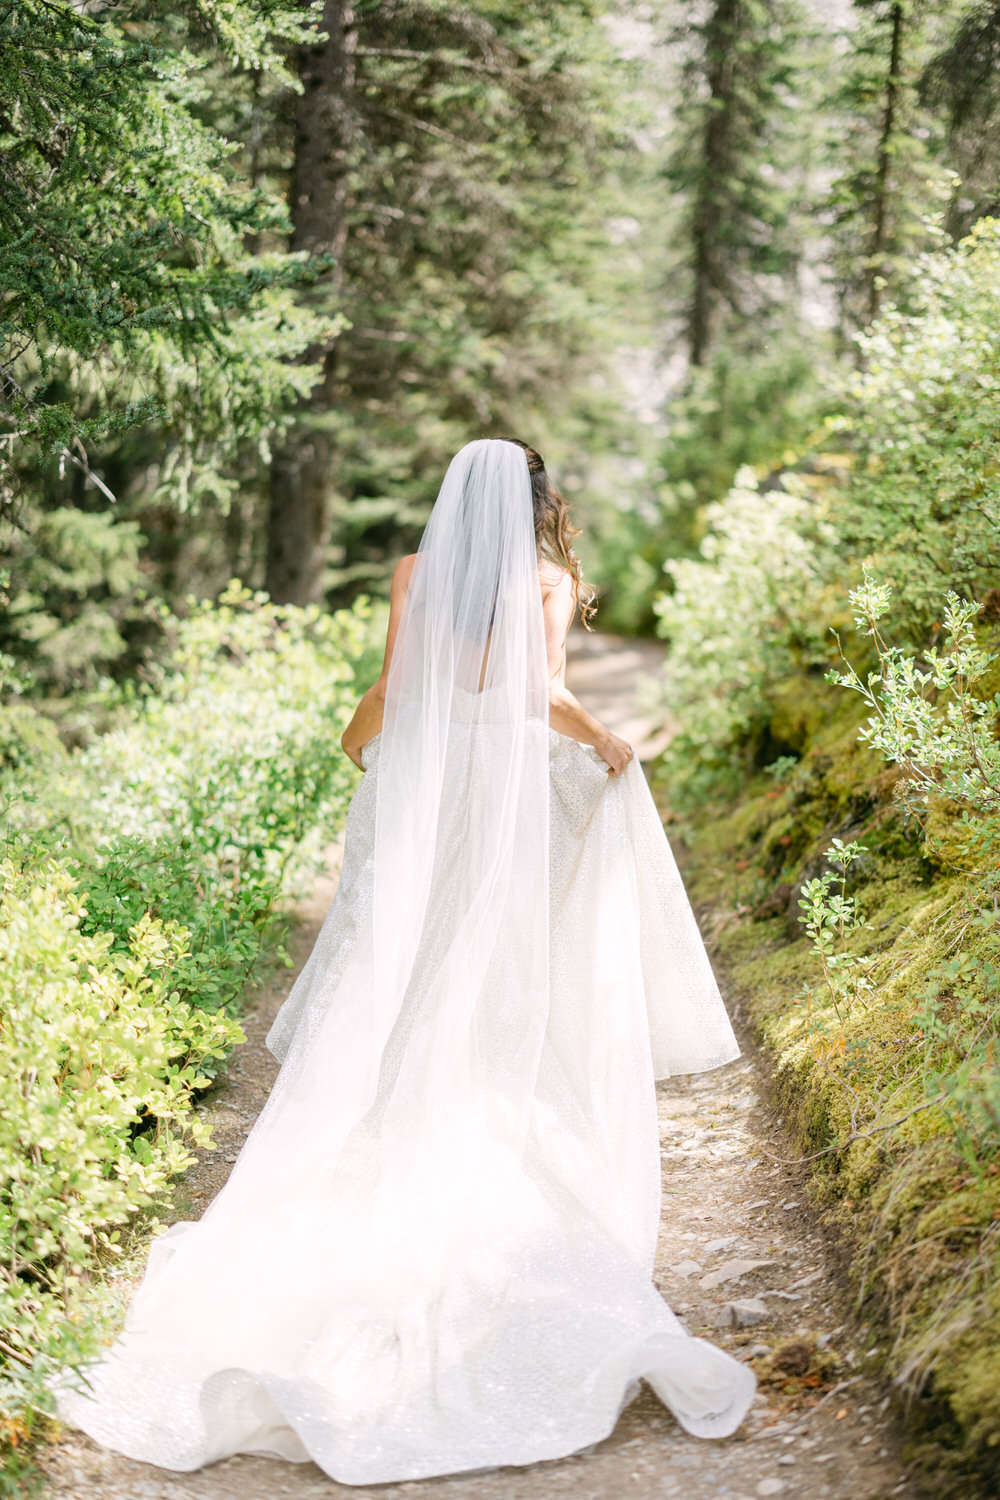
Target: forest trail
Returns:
[[737, 1240]]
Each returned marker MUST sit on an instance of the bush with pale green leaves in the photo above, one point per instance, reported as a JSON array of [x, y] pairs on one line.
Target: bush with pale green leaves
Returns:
[[145, 874], [922, 417], [734, 615], [99, 1060], [906, 484], [212, 796]]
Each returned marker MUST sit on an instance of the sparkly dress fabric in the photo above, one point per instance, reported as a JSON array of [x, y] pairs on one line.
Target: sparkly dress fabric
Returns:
[[434, 1252]]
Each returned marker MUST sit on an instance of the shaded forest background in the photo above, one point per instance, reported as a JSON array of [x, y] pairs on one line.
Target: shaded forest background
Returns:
[[734, 268], [257, 286]]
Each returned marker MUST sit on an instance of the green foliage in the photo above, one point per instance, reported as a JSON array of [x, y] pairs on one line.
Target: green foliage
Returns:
[[917, 501], [735, 118], [887, 1080], [734, 619], [960, 81], [122, 225], [924, 504], [746, 406], [888, 152], [145, 873], [933, 723], [480, 274], [201, 803], [99, 1059], [858, 904], [74, 595], [830, 917]]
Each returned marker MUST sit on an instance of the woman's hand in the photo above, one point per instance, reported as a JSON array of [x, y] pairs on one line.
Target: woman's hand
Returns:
[[616, 752]]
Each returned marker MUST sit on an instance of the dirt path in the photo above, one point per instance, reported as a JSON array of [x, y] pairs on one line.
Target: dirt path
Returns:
[[737, 1242]]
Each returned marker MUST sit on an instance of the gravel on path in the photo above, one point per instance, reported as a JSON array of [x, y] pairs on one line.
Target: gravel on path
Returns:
[[741, 1260]]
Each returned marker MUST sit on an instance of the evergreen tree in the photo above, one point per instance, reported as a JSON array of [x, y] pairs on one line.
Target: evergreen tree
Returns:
[[122, 226], [472, 139], [887, 147], [732, 166], [962, 82], [302, 468]]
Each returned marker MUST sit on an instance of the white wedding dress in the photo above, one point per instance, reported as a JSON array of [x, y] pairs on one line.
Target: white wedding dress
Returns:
[[435, 1250]]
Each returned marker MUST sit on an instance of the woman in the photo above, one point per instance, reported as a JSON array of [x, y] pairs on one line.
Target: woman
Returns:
[[434, 1252]]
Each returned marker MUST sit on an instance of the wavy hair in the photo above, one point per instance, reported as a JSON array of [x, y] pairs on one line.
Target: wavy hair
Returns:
[[554, 531]]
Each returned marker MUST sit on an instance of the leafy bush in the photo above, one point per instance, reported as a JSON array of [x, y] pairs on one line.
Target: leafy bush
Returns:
[[884, 1022], [916, 499], [880, 832], [923, 418], [144, 874], [735, 617], [938, 722], [218, 789], [98, 1060]]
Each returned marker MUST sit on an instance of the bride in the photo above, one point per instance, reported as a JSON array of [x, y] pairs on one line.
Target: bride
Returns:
[[435, 1250]]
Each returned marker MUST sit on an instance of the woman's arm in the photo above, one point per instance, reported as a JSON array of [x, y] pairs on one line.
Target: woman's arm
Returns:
[[566, 713], [367, 720]]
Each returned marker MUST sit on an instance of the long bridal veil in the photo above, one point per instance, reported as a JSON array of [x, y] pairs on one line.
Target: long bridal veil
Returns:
[[434, 1250]]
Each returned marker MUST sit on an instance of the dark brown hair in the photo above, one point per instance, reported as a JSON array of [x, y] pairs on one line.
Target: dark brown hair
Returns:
[[554, 532]]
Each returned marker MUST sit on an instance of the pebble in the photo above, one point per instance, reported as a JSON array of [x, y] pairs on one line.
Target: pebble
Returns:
[[731, 1270], [686, 1268], [744, 1312], [714, 1246], [771, 1487]]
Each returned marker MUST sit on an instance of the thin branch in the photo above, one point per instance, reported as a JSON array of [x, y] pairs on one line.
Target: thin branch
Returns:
[[84, 465], [860, 1135], [408, 54]]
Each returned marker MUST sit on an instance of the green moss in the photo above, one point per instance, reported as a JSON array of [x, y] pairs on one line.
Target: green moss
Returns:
[[916, 1198]]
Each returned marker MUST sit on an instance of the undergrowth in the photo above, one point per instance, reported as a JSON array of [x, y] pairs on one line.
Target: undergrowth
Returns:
[[144, 875], [874, 982]]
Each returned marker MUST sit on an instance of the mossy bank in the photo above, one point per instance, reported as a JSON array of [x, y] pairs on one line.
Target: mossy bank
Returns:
[[893, 1101]]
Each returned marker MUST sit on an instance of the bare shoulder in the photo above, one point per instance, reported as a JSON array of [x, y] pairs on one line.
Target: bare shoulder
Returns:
[[402, 571], [553, 579]]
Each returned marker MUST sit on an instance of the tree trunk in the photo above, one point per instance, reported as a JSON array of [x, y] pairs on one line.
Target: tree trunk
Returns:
[[302, 470], [880, 227], [708, 236]]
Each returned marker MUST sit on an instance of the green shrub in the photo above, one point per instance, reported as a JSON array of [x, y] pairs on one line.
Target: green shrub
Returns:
[[210, 799], [735, 620], [884, 1023], [98, 1063], [922, 416], [916, 498], [144, 874]]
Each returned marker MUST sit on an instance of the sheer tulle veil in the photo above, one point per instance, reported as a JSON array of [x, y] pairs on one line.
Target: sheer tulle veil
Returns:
[[449, 982], [466, 694], [434, 1251]]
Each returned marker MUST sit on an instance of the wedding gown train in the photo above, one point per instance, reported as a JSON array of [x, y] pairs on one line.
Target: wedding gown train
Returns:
[[434, 1252], [485, 1309]]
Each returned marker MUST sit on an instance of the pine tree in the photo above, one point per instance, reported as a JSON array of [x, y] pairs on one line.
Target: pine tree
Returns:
[[302, 469], [888, 148], [122, 225], [729, 164], [469, 135], [961, 81]]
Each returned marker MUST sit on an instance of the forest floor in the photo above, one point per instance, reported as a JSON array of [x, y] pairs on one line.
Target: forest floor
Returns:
[[737, 1241]]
